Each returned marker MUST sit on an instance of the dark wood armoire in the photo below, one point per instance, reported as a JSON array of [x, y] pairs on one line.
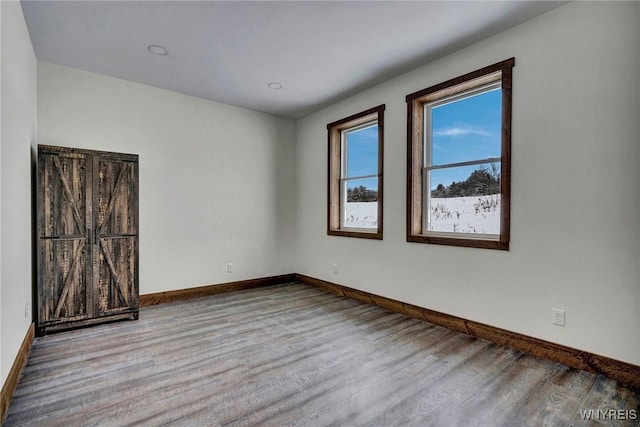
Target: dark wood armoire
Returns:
[[87, 225]]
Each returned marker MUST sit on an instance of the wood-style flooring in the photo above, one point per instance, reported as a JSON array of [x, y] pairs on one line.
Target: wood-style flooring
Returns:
[[296, 355]]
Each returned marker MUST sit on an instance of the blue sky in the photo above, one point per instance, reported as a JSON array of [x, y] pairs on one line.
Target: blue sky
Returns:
[[362, 156], [465, 130]]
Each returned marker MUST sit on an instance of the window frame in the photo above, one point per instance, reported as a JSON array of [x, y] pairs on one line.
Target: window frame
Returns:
[[336, 197], [418, 195]]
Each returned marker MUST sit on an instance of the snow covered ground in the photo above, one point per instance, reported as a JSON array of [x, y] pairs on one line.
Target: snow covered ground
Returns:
[[474, 214], [361, 214]]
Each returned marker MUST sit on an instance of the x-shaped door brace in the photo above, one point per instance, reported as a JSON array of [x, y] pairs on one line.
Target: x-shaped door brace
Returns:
[[67, 192], [100, 241]]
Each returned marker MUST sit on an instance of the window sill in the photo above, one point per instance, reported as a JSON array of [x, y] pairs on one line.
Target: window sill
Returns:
[[459, 241], [375, 234]]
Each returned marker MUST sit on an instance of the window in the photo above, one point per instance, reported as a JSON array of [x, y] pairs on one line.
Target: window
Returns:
[[459, 160], [355, 175]]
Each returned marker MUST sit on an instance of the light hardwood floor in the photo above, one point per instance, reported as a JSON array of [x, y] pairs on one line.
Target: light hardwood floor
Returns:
[[296, 355]]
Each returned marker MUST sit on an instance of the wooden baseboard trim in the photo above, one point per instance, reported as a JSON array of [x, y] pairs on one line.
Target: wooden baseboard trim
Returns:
[[9, 386], [622, 372], [203, 291]]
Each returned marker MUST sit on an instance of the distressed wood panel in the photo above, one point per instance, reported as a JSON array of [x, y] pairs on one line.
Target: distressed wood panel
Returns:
[[116, 196], [115, 263], [64, 217], [64, 279], [87, 230], [116, 275], [64, 193]]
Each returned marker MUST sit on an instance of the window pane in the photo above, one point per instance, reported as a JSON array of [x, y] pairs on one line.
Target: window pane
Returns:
[[465, 199], [360, 208], [467, 129], [361, 152]]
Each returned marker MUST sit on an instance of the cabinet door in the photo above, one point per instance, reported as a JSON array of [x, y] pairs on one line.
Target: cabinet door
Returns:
[[115, 202], [64, 223]]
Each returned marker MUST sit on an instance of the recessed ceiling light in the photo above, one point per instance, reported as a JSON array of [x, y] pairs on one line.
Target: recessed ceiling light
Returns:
[[274, 85], [157, 49]]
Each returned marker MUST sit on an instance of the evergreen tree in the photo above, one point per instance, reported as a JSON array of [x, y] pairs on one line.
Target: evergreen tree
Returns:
[[361, 194], [481, 182]]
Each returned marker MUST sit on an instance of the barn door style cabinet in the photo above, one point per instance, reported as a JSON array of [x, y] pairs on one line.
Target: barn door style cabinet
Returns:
[[87, 204]]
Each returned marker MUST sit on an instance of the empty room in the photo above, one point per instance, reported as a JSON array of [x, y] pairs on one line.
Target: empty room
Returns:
[[314, 213]]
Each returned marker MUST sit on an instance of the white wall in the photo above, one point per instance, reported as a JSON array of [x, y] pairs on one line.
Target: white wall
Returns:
[[216, 182], [18, 123], [575, 199]]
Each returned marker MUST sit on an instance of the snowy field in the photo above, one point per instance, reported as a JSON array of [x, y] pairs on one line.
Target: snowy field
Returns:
[[361, 215], [474, 214]]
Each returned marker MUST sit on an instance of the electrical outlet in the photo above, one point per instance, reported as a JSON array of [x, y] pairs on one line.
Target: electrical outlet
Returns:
[[558, 316], [230, 267], [335, 268]]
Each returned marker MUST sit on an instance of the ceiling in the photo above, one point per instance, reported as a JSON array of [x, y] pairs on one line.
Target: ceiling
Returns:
[[228, 51]]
